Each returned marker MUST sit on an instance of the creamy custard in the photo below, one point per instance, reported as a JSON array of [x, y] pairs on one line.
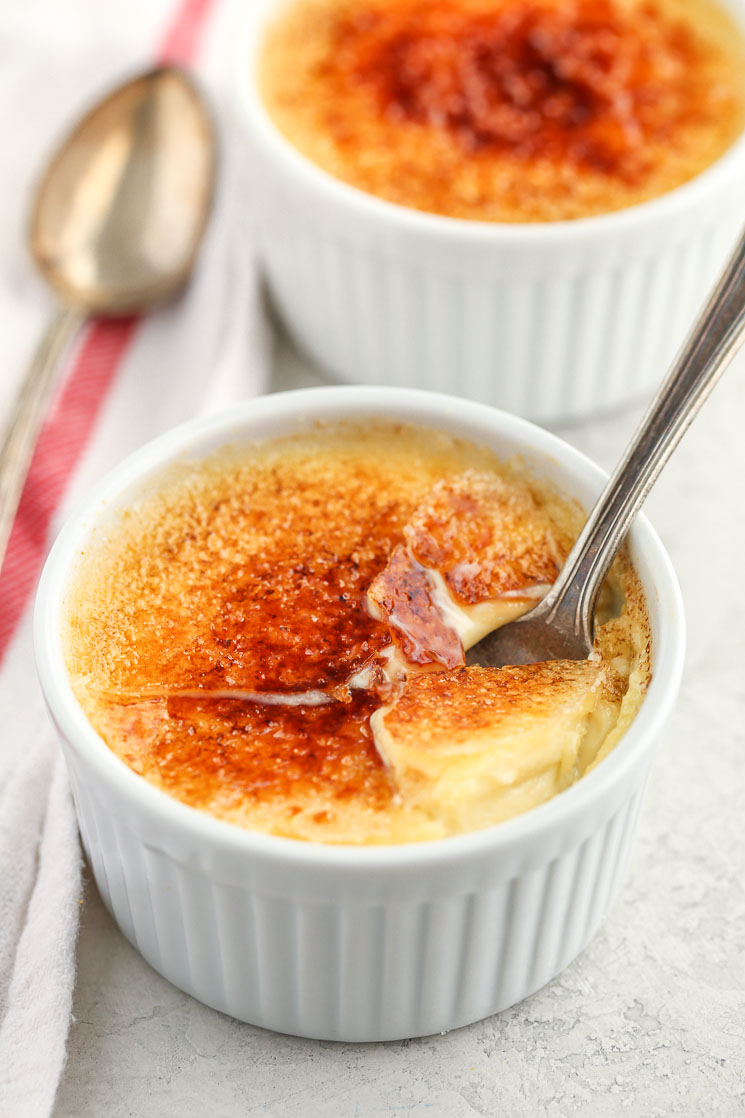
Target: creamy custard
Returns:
[[276, 635], [507, 110]]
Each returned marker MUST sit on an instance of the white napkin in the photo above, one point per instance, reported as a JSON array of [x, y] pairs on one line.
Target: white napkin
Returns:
[[202, 353]]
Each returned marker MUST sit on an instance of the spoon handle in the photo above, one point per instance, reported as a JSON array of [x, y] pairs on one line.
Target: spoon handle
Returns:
[[708, 349], [27, 413]]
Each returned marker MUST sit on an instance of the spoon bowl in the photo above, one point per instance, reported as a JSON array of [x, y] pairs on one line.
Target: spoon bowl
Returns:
[[121, 209]]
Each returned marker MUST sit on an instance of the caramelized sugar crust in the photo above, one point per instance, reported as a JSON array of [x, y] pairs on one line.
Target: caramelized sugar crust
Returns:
[[220, 639], [206, 750], [478, 515], [455, 707], [403, 595], [508, 110], [250, 577]]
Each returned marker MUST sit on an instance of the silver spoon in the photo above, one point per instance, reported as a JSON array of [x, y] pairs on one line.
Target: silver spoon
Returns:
[[115, 228], [560, 627]]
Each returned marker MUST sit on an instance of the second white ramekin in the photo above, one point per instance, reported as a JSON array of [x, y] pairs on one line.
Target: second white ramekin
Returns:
[[350, 943], [549, 321]]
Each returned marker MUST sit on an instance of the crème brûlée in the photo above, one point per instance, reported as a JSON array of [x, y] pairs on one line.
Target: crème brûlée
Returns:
[[507, 110], [276, 635]]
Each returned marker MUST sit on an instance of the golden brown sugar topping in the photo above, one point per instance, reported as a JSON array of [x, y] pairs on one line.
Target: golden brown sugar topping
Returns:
[[486, 537], [584, 82], [456, 106], [255, 583], [225, 638], [454, 707], [203, 748]]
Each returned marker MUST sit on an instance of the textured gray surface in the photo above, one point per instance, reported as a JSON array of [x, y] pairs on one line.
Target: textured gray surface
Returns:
[[648, 1022]]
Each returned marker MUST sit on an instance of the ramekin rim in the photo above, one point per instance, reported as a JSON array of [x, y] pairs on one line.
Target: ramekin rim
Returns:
[[375, 209], [157, 453]]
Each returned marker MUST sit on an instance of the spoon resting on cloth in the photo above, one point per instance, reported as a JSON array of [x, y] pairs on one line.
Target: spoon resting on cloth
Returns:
[[560, 627], [115, 229]]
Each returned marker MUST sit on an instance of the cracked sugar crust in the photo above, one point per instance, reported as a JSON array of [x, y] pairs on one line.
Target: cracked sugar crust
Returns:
[[486, 536]]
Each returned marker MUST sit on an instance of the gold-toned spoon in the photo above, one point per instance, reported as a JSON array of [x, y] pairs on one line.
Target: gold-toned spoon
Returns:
[[115, 228]]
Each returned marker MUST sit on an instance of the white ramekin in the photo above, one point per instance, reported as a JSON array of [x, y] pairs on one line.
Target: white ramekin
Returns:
[[351, 943], [550, 321]]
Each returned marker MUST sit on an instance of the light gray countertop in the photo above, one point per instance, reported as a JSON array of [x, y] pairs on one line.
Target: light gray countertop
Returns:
[[649, 1021]]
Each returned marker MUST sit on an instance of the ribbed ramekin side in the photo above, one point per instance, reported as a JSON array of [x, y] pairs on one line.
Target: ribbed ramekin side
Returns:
[[377, 968], [544, 344], [524, 933]]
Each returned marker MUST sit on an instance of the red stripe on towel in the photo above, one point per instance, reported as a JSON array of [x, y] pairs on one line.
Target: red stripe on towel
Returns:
[[63, 437], [183, 38]]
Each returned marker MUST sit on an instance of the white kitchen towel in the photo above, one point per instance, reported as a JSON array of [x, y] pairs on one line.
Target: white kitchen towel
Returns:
[[122, 384]]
